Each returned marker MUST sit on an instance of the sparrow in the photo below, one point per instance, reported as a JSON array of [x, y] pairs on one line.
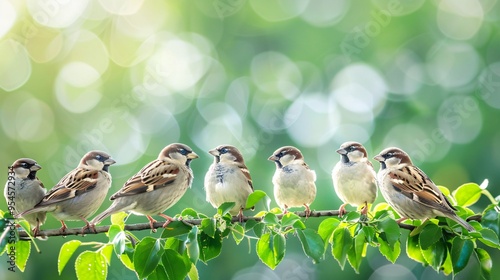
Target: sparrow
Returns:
[[23, 190], [293, 180], [80, 192], [156, 187], [228, 179], [409, 190], [354, 178]]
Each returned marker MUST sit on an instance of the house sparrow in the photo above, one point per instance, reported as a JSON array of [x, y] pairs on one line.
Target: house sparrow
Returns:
[[354, 178], [24, 190], [409, 191], [80, 193], [293, 180], [228, 179], [156, 187]]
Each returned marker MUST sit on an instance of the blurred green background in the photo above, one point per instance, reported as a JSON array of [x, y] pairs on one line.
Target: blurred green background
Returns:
[[130, 77]]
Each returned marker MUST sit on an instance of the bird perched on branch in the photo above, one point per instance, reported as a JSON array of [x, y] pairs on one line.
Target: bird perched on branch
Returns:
[[293, 180], [23, 190], [410, 191], [156, 187], [228, 179], [354, 178], [80, 193]]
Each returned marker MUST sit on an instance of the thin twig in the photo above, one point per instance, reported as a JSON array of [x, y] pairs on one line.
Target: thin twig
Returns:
[[192, 222]]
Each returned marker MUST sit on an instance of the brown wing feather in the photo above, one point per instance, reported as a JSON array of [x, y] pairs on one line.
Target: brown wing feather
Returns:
[[245, 172], [76, 182], [157, 174], [413, 183]]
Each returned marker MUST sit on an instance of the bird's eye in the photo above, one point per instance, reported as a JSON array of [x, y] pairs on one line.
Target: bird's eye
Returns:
[[98, 157], [351, 148], [223, 150], [183, 152], [24, 164], [389, 155], [280, 154]]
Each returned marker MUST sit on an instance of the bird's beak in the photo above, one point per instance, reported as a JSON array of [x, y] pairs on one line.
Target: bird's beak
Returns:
[[109, 161], [192, 155], [273, 158], [379, 158], [214, 153], [342, 151], [35, 167]]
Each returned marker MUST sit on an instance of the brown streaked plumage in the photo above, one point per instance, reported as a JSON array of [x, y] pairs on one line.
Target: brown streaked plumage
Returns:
[[410, 191], [80, 192], [156, 187]]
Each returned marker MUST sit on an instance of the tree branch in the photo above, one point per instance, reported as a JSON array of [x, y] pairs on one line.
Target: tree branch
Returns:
[[193, 222]]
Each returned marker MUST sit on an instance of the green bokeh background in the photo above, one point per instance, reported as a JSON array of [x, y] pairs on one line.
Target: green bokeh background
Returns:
[[130, 77]]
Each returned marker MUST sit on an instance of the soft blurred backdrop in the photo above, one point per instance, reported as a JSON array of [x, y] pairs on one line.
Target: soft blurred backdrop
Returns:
[[130, 77]]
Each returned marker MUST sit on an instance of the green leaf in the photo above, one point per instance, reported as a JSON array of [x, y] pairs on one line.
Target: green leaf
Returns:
[[413, 249], [435, 255], [225, 207], [447, 266], [312, 244], [289, 219], [175, 228], [467, 194], [190, 213], [299, 225], [461, 250], [67, 250], [107, 252], [369, 234], [193, 273], [342, 243], [193, 249], [208, 226], [258, 229], [279, 248], [119, 219], [326, 228], [174, 265], [429, 235], [124, 258], [270, 219], [489, 238], [265, 251], [119, 242], [390, 252], [147, 256], [209, 247], [91, 265], [238, 233], [391, 230], [23, 249], [250, 224], [355, 255], [490, 219], [113, 231], [255, 197], [158, 274], [485, 262]]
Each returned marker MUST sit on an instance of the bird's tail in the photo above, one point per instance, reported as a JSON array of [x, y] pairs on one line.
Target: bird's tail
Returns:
[[34, 210], [462, 222], [114, 208]]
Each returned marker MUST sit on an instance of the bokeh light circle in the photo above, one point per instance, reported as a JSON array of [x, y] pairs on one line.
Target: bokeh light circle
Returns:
[[453, 64], [78, 87], [15, 65]]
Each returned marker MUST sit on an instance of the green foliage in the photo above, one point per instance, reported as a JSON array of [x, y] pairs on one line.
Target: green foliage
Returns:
[[438, 243]]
